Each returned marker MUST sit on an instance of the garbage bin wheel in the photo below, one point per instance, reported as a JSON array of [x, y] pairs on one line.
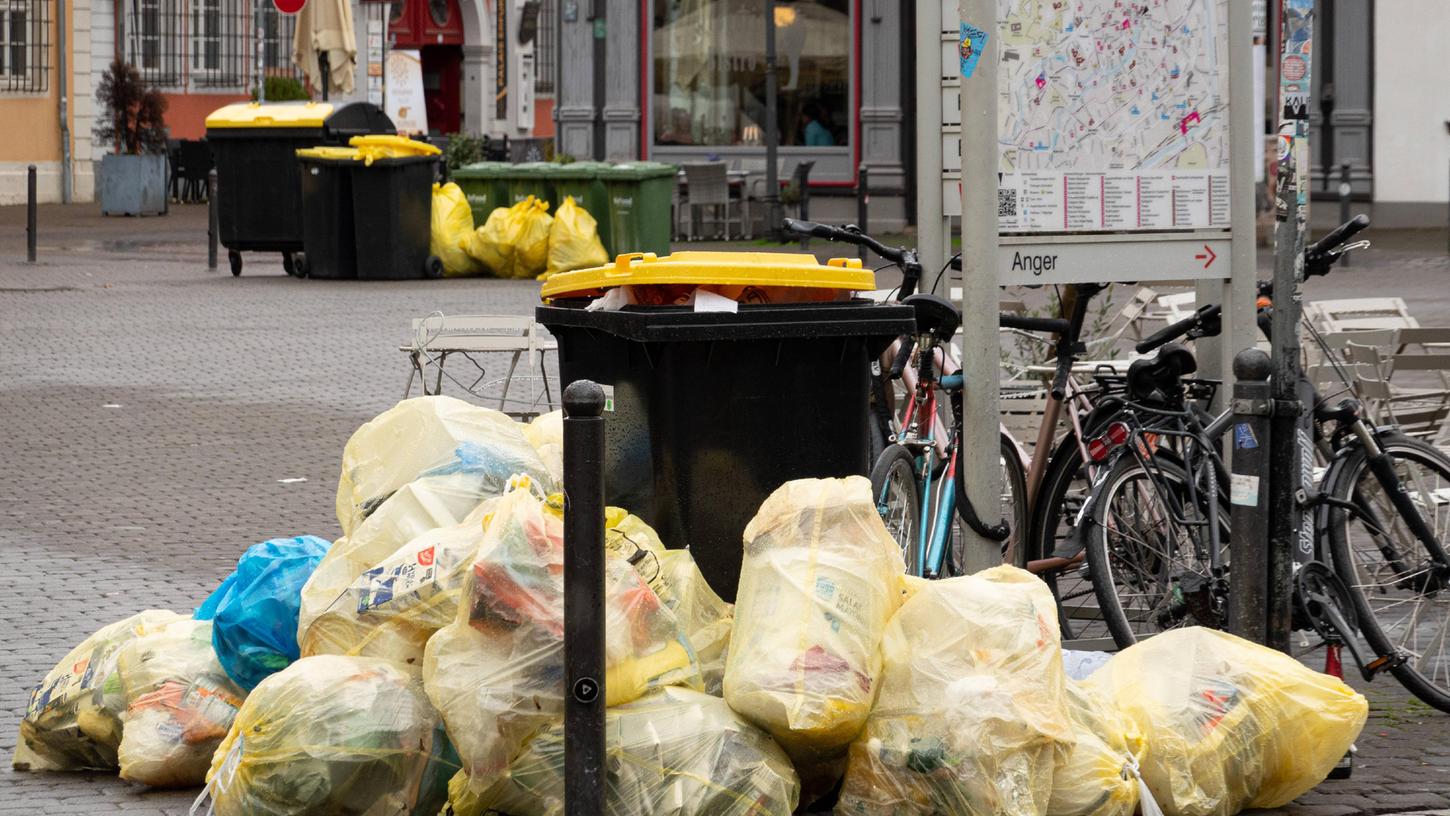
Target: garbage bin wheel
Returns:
[[289, 265], [235, 259], [295, 264], [433, 267]]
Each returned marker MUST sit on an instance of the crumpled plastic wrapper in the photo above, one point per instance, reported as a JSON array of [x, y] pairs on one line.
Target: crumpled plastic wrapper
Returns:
[[819, 581], [179, 705], [497, 673], [546, 433], [973, 713], [73, 720], [333, 734], [672, 752], [1229, 725]]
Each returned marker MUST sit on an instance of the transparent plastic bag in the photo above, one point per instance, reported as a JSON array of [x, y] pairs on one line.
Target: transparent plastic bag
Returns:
[[497, 673], [820, 579], [452, 225], [972, 716], [470, 447], [1229, 724], [1099, 777], [73, 719], [546, 434], [179, 705], [704, 616], [255, 609], [574, 240], [333, 734], [673, 752], [393, 608]]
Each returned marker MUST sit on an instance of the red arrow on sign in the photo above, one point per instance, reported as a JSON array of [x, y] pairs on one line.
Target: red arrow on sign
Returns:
[[1207, 259], [289, 6]]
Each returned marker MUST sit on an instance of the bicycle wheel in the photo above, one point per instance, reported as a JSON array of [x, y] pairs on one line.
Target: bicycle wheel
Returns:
[[1147, 552], [898, 500], [1014, 510], [1402, 599], [1065, 486]]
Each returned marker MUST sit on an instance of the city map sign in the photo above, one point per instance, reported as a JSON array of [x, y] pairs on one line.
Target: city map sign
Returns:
[[1113, 137]]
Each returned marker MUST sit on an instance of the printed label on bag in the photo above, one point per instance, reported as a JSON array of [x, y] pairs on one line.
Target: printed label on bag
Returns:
[[401, 575]]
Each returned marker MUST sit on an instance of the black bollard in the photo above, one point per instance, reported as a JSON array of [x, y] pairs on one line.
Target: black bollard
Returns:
[[863, 207], [211, 220], [1345, 190], [584, 599], [30, 215], [1249, 496]]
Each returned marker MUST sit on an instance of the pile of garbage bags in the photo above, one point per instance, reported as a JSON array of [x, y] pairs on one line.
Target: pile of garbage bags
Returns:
[[522, 241], [416, 664]]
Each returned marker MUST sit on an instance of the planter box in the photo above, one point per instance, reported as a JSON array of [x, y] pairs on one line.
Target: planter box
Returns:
[[133, 185]]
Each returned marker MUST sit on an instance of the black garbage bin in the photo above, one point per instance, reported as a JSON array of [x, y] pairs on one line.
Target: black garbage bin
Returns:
[[328, 236], [710, 412], [254, 145]]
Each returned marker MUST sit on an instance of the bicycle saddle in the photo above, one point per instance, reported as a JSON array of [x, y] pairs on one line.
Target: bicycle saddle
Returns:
[[936, 315], [1156, 377]]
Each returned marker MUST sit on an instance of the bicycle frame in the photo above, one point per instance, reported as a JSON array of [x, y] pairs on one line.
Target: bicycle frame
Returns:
[[919, 427]]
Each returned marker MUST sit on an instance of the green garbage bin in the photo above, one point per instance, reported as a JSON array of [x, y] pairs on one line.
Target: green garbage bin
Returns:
[[581, 180], [640, 196], [486, 186], [531, 179]]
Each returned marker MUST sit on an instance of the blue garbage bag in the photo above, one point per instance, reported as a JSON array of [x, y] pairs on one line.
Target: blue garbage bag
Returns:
[[255, 608]]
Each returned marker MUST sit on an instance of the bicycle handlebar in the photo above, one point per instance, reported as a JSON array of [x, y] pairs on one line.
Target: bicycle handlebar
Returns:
[[1047, 325], [844, 235], [1337, 236], [1179, 329]]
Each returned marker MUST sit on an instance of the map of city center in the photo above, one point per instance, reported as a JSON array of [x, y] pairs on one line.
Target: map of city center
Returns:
[[1113, 115]]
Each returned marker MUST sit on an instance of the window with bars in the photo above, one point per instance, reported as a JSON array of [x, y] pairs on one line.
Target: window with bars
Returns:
[[24, 45], [206, 43], [546, 48]]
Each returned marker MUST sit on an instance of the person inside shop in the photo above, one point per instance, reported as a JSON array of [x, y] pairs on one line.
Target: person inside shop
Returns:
[[815, 133]]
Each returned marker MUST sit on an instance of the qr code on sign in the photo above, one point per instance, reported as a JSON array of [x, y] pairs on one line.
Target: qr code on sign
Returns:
[[1006, 203]]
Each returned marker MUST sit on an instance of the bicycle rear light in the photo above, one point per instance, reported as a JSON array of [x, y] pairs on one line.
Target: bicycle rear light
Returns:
[[1115, 435]]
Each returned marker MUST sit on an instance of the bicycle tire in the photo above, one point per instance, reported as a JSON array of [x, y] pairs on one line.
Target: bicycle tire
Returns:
[[1053, 513], [1101, 561], [1371, 615], [896, 468], [1014, 504]]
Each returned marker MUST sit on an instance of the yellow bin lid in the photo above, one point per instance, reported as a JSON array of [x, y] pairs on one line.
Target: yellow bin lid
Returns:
[[346, 153], [270, 115], [723, 268], [386, 147]]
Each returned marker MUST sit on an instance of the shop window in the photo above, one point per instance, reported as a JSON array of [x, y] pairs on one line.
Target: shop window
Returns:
[[709, 72], [546, 44], [24, 45], [278, 32]]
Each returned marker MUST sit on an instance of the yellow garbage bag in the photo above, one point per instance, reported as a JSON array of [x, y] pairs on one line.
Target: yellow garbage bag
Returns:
[[435, 438], [546, 434], [705, 617], [972, 717], [333, 734], [73, 719], [1228, 724], [496, 672], [574, 240], [673, 751], [452, 226], [179, 705], [819, 580], [492, 244], [1100, 776], [531, 240], [391, 609]]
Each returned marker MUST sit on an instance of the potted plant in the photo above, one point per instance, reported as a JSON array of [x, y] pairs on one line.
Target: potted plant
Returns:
[[133, 178]]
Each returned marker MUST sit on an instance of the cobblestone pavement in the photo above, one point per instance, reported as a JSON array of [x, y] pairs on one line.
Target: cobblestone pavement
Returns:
[[150, 409]]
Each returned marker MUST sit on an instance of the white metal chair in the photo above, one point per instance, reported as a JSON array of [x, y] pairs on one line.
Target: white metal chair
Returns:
[[438, 337], [709, 189], [1359, 313]]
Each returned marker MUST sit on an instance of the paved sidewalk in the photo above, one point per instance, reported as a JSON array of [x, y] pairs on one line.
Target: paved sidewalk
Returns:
[[149, 409]]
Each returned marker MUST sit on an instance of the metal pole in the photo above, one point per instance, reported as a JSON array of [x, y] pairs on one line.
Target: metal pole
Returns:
[[863, 206], [584, 599], [930, 243], [772, 128], [980, 470], [601, 71], [212, 232], [30, 214], [62, 73], [1345, 189], [1291, 449], [1249, 495]]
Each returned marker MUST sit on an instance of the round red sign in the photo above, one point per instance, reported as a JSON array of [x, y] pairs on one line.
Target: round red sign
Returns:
[[289, 6]]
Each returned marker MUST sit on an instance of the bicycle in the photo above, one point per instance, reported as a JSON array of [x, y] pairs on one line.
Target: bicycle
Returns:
[[1155, 527], [913, 456]]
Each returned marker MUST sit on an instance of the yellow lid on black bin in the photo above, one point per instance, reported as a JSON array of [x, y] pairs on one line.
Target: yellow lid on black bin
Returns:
[[718, 268], [270, 115]]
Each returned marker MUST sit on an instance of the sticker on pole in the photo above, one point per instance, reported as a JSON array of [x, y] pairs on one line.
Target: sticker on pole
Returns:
[[289, 7], [1244, 436], [969, 47], [1243, 490]]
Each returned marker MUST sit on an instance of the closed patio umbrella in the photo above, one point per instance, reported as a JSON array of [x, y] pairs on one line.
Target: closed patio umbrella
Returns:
[[325, 44]]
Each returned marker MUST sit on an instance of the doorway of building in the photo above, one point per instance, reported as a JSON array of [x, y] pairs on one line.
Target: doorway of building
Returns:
[[435, 29]]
